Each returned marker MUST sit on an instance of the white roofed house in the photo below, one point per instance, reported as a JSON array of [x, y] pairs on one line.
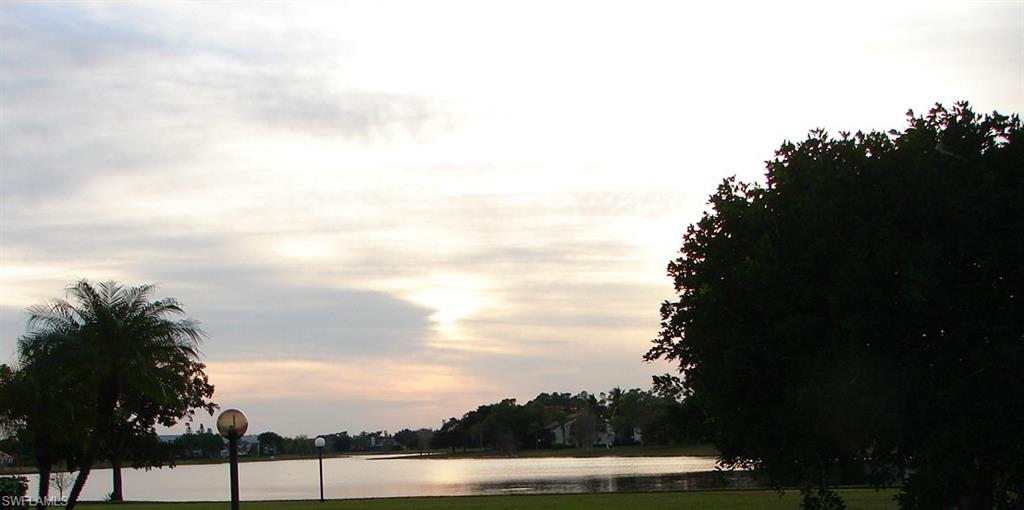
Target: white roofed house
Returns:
[[567, 433], [249, 445], [561, 433]]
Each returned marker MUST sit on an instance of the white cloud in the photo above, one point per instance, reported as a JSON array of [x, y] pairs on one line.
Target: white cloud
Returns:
[[488, 191]]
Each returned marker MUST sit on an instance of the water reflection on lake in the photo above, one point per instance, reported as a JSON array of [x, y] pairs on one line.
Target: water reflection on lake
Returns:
[[641, 483], [374, 476]]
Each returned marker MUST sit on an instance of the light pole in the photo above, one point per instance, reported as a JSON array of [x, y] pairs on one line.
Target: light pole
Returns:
[[232, 425], [319, 442]]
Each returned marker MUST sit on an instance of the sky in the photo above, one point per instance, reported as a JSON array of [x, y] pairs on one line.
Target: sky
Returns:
[[387, 213]]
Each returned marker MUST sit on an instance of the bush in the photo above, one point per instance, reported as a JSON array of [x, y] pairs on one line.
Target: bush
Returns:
[[11, 489]]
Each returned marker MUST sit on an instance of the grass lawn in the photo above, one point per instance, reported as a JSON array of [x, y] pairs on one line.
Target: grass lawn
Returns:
[[856, 499]]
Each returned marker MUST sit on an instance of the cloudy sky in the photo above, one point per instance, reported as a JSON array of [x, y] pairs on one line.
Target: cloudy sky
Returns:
[[387, 213]]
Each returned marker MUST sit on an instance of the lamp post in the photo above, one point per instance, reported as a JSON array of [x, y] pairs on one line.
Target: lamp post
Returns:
[[319, 442], [232, 425]]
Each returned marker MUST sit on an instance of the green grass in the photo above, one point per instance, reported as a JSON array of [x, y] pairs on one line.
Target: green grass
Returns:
[[856, 499]]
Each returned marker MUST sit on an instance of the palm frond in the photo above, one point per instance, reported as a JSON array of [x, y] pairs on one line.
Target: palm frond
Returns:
[[57, 314], [116, 338]]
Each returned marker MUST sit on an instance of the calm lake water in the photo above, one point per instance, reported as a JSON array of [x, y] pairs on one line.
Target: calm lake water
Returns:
[[379, 476]]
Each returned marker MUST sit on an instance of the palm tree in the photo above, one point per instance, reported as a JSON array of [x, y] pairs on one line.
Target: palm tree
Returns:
[[127, 348]]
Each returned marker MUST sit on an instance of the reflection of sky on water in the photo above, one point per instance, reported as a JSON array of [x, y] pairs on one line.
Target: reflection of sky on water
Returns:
[[649, 483], [365, 477], [456, 471]]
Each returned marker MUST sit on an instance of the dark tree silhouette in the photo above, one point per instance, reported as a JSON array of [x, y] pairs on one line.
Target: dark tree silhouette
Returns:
[[43, 409], [865, 305], [137, 363]]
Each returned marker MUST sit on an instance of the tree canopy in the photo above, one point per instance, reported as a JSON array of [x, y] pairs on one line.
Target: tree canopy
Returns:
[[116, 360], [864, 306]]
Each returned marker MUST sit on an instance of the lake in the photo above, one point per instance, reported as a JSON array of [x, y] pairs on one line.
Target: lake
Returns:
[[380, 476]]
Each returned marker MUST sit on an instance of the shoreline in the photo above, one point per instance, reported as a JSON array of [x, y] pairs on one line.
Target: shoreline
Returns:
[[31, 470], [857, 498], [697, 450], [694, 450]]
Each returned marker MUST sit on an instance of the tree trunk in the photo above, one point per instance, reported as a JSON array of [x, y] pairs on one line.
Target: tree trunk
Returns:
[[118, 493], [83, 474], [976, 500], [44, 467], [980, 491], [104, 413], [84, 467]]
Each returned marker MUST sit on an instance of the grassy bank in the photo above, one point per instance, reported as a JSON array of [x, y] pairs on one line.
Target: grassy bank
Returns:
[[856, 499]]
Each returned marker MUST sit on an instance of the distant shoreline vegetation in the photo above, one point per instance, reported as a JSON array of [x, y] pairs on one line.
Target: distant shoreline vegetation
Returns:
[[619, 422], [549, 422]]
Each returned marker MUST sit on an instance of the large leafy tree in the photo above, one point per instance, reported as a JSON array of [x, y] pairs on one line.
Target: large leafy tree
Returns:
[[40, 405], [133, 436], [865, 305], [136, 357]]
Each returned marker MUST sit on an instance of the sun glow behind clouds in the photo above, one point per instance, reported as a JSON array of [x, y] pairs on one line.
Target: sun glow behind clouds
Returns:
[[454, 297], [339, 380], [523, 171], [25, 276], [304, 248], [392, 388]]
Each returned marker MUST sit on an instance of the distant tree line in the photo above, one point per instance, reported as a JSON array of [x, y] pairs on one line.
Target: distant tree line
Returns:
[[271, 443], [659, 416], [203, 443], [620, 417]]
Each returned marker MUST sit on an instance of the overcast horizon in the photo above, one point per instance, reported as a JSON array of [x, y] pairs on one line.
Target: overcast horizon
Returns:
[[387, 214]]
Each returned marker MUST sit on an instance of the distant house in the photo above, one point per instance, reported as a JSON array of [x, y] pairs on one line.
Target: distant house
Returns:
[[381, 440], [562, 433], [6, 460], [247, 445], [389, 443], [638, 435], [605, 434]]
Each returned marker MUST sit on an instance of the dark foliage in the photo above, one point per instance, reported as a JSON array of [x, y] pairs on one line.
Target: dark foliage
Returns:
[[661, 416], [201, 444], [865, 306], [11, 488], [124, 363]]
